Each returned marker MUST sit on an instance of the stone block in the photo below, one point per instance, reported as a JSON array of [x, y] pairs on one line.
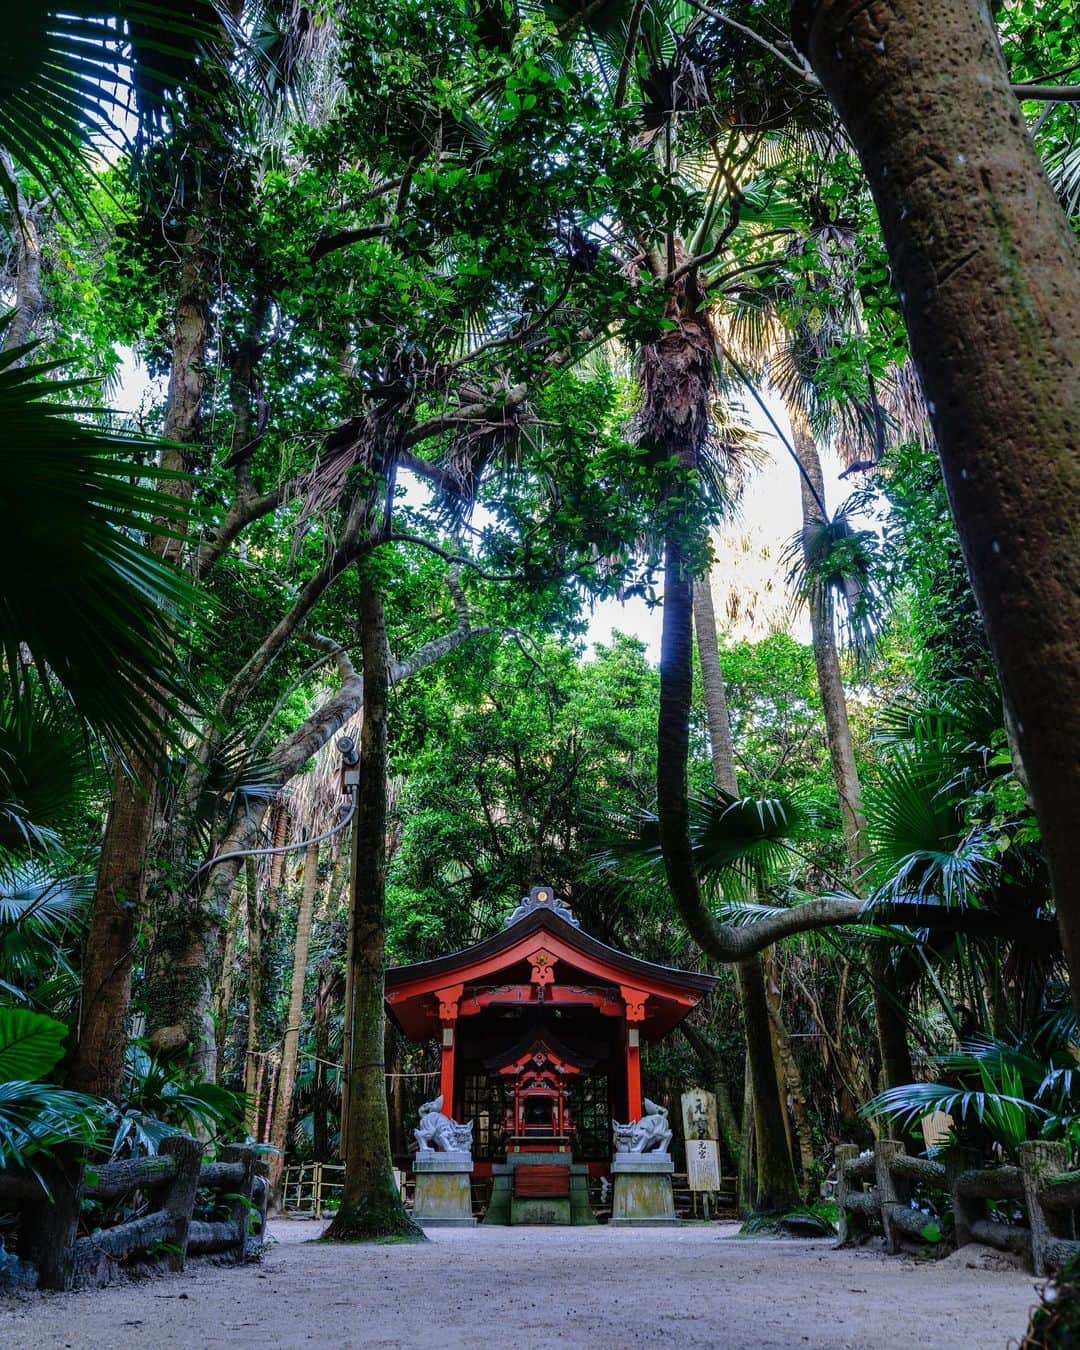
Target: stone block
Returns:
[[443, 1195], [642, 1162], [542, 1212], [642, 1195]]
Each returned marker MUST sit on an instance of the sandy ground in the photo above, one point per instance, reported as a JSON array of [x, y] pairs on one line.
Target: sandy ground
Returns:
[[527, 1288]]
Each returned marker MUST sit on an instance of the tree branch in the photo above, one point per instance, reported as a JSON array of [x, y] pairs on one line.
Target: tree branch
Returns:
[[462, 560], [329, 243], [244, 512], [1047, 93], [494, 412], [804, 72]]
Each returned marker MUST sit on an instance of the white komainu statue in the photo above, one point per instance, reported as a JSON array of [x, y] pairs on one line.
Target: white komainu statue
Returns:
[[439, 1133], [650, 1134]]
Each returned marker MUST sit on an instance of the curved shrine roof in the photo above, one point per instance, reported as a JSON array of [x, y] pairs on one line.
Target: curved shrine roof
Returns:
[[541, 956]]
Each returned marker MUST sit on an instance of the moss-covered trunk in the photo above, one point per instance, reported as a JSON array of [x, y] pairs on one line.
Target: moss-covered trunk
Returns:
[[97, 1062], [988, 273], [371, 1204]]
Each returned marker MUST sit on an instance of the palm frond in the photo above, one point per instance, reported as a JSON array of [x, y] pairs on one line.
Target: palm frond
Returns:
[[38, 1117], [95, 609], [740, 845], [831, 562], [1009, 1117], [72, 70]]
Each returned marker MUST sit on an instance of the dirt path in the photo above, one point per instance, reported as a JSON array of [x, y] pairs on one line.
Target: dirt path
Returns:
[[538, 1288]]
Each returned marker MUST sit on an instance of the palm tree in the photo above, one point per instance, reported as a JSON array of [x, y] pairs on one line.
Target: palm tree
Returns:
[[658, 57]]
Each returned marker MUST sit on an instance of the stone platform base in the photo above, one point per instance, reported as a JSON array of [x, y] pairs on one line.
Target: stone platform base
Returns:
[[506, 1208], [642, 1195], [443, 1196]]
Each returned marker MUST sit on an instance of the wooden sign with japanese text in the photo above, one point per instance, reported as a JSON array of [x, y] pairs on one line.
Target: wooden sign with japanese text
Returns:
[[699, 1115], [702, 1165]]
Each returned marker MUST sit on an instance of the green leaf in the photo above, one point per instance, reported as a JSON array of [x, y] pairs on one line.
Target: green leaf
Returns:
[[31, 1044]]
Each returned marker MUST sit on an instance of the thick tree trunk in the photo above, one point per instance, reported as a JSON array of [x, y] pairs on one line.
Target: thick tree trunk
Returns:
[[988, 273], [29, 301], [777, 1188], [371, 1203], [790, 1076], [770, 1116], [290, 1045], [97, 1063], [890, 1016], [746, 1188]]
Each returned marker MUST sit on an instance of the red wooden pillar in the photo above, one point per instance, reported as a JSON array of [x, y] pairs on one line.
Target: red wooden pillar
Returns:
[[633, 1075], [634, 1002], [448, 1011]]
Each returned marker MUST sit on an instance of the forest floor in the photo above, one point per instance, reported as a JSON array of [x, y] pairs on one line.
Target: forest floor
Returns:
[[695, 1286]]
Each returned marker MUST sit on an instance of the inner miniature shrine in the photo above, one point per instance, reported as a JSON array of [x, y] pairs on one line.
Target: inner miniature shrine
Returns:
[[540, 1029]]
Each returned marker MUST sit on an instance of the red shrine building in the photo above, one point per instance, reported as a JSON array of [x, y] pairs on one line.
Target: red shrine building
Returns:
[[541, 1029]]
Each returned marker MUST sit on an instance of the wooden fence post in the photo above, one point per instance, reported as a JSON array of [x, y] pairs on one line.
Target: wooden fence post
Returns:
[[178, 1200], [966, 1210], [1037, 1160], [48, 1229], [240, 1206], [842, 1154], [892, 1190], [260, 1198]]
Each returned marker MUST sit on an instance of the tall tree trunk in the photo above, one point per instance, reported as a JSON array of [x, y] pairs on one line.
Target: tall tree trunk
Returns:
[[890, 1016], [714, 691], [254, 992], [988, 273], [777, 1187], [769, 1114], [29, 301], [746, 1187], [327, 991], [371, 1203], [223, 998], [320, 1106], [290, 1045], [791, 1076], [118, 904], [97, 1064]]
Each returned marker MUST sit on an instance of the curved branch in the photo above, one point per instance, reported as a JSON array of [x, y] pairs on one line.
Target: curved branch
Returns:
[[244, 512], [804, 72]]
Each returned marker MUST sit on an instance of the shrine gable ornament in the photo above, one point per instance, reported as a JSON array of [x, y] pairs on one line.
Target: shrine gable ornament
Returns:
[[542, 897]]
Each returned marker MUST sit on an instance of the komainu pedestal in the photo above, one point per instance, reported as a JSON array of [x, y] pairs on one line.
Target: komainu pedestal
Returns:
[[642, 1194], [443, 1195]]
